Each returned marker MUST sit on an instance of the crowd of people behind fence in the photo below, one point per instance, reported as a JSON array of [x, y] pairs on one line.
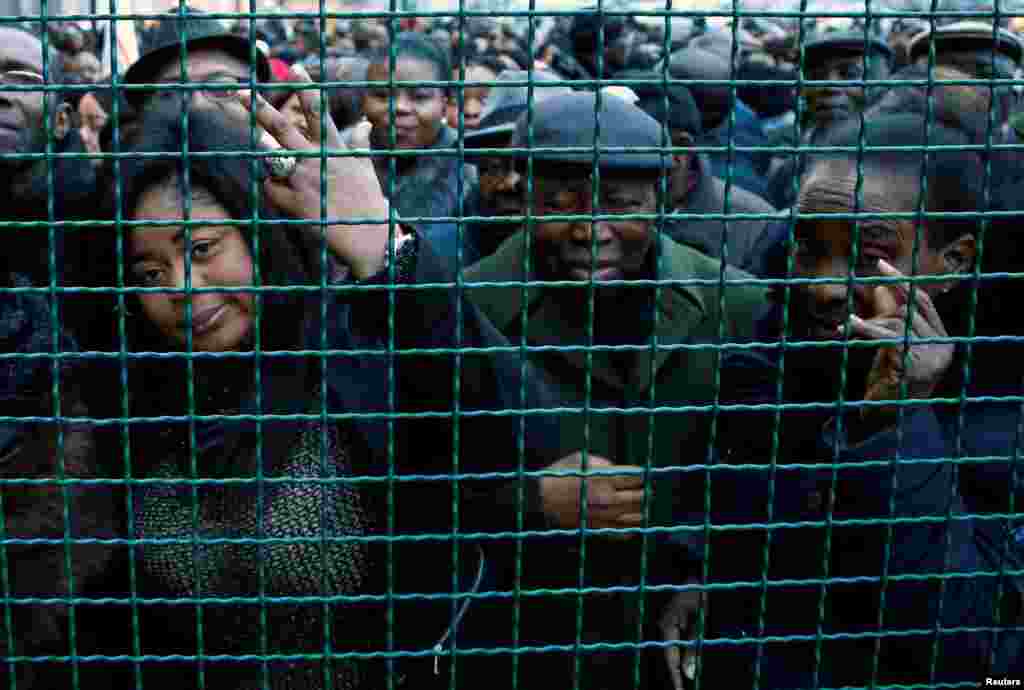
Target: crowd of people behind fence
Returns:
[[595, 351]]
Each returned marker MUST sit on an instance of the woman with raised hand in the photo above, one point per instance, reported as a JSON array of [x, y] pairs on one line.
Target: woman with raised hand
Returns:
[[232, 306]]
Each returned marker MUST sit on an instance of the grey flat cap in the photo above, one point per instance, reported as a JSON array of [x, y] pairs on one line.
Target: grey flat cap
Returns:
[[967, 36], [574, 121], [823, 46], [504, 105]]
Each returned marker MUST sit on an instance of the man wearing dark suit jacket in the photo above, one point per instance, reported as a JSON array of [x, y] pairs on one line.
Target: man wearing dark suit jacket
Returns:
[[698, 198]]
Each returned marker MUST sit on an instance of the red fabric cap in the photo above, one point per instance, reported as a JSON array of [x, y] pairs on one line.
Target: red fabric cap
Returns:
[[279, 70]]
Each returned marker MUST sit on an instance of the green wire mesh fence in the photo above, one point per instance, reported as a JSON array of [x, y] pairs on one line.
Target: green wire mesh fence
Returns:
[[289, 405]]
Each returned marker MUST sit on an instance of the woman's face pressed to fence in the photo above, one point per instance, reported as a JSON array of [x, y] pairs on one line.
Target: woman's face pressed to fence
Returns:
[[220, 257]]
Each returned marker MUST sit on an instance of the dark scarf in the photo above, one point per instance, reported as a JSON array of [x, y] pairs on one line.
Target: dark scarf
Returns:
[[25, 329], [73, 195], [625, 315], [74, 187], [226, 387]]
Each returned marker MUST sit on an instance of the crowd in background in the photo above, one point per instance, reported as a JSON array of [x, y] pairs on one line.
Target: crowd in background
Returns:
[[739, 299]]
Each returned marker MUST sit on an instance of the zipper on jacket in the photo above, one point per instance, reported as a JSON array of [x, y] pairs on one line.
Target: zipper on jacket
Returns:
[[438, 648]]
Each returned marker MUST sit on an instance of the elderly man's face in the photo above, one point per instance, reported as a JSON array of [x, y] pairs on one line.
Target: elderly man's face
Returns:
[[587, 248], [22, 121], [832, 103]]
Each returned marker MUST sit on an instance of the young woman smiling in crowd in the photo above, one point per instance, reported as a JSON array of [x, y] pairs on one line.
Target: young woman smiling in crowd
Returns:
[[247, 337]]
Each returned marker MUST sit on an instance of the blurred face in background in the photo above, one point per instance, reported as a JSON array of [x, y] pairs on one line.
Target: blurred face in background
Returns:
[[345, 44], [93, 118], [375, 37], [501, 189], [617, 54], [983, 64], [473, 97], [85, 65], [831, 103], [418, 110], [292, 110]]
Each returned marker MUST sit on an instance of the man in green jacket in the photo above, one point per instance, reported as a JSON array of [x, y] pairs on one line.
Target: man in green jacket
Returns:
[[643, 402]]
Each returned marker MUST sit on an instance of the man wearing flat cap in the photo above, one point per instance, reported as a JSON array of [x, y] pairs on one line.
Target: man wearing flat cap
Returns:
[[692, 187], [978, 49], [841, 57], [981, 51], [497, 195], [855, 57], [724, 117], [595, 160], [213, 56]]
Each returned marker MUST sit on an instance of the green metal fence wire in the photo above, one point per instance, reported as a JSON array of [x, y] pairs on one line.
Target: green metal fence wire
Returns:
[[516, 592]]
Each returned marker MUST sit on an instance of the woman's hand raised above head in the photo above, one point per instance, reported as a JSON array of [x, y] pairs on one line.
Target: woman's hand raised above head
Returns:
[[349, 183]]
